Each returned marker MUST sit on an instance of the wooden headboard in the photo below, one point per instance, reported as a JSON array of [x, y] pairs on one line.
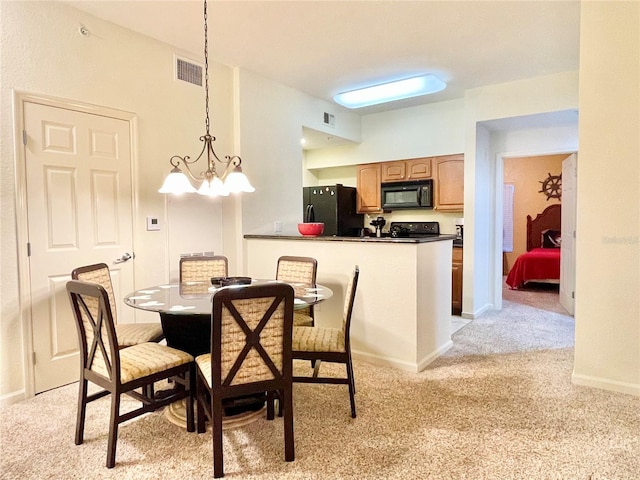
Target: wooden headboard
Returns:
[[548, 219]]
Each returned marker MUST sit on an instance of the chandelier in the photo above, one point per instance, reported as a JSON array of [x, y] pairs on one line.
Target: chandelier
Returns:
[[232, 180]]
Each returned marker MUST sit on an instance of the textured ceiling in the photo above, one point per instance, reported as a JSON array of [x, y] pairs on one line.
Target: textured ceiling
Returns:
[[325, 47]]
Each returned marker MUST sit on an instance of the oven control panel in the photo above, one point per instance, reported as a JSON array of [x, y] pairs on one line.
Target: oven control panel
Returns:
[[414, 229]]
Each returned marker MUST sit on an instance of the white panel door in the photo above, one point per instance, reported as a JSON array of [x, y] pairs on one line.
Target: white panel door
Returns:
[[78, 171], [568, 228]]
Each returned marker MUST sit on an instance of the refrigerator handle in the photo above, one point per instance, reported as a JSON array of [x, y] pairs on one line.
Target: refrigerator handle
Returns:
[[309, 215]]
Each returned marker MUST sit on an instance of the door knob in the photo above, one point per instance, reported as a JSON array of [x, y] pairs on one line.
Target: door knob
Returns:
[[124, 258]]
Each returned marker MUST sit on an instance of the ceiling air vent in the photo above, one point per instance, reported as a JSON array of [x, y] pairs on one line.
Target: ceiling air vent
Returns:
[[329, 119], [188, 71]]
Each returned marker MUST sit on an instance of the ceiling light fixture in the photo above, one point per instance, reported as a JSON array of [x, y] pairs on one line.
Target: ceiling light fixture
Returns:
[[391, 91], [232, 179]]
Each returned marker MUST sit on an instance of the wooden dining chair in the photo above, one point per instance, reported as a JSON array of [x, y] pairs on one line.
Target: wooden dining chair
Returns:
[[330, 345], [251, 330], [300, 270], [202, 268], [128, 334], [121, 371]]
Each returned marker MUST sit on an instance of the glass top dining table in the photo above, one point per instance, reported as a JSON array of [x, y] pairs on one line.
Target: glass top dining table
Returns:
[[185, 309], [194, 298], [185, 315]]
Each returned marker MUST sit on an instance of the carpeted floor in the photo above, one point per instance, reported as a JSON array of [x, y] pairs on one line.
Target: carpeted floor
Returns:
[[540, 295], [499, 405]]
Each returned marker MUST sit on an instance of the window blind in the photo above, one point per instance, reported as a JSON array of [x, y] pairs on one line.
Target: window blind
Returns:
[[507, 217]]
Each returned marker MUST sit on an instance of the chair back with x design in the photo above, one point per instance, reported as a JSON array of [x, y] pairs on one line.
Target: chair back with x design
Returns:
[[121, 370], [128, 333], [253, 319], [251, 332], [97, 336], [326, 344]]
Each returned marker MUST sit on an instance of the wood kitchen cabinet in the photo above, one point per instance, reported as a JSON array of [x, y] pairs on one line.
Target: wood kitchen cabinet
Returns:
[[394, 171], [404, 170], [456, 281], [447, 172], [449, 182], [419, 168], [368, 196]]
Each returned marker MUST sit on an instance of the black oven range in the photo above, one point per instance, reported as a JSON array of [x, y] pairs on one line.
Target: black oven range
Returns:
[[414, 229]]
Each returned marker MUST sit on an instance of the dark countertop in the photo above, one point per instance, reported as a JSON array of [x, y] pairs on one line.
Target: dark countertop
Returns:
[[435, 238]]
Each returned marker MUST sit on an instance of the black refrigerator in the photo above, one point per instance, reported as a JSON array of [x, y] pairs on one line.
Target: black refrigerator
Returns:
[[335, 206]]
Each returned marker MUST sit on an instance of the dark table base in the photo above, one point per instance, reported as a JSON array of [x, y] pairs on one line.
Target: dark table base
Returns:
[[189, 333], [192, 334]]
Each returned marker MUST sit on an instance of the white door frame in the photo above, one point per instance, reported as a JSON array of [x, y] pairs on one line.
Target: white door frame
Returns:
[[22, 229], [568, 247], [497, 233]]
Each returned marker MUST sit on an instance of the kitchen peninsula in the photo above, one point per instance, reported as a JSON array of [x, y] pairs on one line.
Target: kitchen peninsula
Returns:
[[402, 312]]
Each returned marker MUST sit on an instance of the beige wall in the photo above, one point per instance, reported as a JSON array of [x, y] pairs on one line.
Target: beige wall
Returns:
[[526, 175], [482, 273], [426, 130], [271, 117], [608, 198], [420, 305], [43, 53]]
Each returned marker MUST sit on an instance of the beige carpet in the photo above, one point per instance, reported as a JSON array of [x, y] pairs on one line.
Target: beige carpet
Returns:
[[539, 295], [499, 405]]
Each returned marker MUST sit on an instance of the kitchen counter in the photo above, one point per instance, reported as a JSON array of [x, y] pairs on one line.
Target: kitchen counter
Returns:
[[402, 310], [435, 238]]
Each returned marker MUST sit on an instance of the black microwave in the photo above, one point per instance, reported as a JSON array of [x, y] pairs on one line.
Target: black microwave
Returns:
[[416, 194]]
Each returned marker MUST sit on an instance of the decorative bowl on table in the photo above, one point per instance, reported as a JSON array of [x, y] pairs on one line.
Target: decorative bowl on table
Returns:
[[311, 229], [235, 281], [226, 281]]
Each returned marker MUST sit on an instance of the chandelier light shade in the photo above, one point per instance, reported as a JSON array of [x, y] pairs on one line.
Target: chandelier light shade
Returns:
[[213, 188], [176, 182], [237, 181], [211, 184]]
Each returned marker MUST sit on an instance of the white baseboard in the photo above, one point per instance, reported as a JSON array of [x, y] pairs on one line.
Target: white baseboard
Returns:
[[402, 364], [430, 358], [385, 361], [13, 397], [477, 313], [606, 384]]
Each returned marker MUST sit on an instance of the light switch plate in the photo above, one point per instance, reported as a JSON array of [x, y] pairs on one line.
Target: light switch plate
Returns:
[[277, 226], [153, 224]]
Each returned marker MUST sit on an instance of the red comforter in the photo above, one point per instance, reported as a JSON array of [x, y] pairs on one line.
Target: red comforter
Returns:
[[537, 264]]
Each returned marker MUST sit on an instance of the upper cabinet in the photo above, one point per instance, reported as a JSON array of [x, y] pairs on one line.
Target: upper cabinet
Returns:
[[403, 170], [449, 182], [368, 196], [418, 168], [394, 171]]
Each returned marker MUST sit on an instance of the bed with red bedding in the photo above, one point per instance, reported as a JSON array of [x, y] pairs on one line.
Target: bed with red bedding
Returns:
[[541, 262]]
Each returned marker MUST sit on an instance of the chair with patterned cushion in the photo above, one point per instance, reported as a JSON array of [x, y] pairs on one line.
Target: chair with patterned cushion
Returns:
[[121, 371], [202, 268], [251, 328], [301, 271], [128, 333], [330, 345]]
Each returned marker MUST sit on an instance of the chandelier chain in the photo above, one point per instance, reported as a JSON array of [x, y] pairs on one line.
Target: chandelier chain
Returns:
[[206, 67]]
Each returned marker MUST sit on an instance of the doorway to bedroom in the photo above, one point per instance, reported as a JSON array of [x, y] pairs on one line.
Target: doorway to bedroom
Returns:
[[532, 202]]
